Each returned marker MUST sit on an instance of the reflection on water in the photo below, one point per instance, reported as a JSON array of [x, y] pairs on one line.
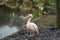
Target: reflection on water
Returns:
[[5, 30]]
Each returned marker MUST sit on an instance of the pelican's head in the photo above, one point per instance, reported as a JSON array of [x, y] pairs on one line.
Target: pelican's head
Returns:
[[29, 16]]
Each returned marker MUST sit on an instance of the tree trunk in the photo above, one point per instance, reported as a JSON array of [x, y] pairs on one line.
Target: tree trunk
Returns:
[[58, 13], [46, 3]]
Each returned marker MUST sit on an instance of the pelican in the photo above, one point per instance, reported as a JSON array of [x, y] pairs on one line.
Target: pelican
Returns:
[[31, 27]]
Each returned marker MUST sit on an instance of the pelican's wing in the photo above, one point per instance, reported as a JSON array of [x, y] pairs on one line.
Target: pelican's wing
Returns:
[[35, 27]]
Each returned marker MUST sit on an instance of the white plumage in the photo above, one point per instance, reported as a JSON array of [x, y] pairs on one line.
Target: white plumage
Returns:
[[31, 27]]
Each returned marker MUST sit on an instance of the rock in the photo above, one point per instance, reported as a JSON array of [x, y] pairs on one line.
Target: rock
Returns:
[[45, 34]]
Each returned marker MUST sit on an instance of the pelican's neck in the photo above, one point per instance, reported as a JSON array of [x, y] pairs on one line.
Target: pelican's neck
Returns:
[[29, 20]]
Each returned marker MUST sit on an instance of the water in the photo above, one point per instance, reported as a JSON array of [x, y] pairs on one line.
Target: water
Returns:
[[6, 30]]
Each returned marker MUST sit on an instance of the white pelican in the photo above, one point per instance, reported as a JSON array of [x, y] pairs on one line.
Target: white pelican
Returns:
[[31, 27]]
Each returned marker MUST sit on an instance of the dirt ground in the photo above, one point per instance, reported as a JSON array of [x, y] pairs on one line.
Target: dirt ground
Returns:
[[47, 20]]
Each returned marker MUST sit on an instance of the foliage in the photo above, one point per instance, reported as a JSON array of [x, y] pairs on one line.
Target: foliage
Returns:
[[39, 3], [18, 6], [35, 12], [15, 3]]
